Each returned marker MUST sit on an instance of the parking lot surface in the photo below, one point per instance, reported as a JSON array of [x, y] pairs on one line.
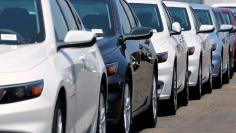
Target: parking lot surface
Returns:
[[214, 113]]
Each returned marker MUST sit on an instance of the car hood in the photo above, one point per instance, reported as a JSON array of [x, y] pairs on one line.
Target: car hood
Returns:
[[20, 58]]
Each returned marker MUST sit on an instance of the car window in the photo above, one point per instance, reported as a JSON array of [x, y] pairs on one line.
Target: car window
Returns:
[[21, 22], [126, 26], [218, 17], [180, 15], [196, 20], [226, 17], [60, 26], [170, 19], [234, 11], [95, 15], [148, 12], [129, 14], [68, 15], [204, 16]]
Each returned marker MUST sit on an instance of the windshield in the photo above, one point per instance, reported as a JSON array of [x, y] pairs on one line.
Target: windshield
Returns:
[[95, 15], [180, 15], [21, 22], [234, 10], [204, 16], [148, 12]]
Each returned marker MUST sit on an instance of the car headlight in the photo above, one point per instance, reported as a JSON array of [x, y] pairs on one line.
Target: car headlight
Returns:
[[20, 92]]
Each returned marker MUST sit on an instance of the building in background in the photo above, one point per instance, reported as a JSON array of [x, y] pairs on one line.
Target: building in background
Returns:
[[208, 2]]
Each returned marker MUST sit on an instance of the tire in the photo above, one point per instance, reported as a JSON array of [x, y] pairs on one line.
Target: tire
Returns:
[[209, 84], [125, 123], [172, 104], [59, 118], [197, 93], [218, 81], [184, 95], [226, 75], [151, 113], [231, 66], [101, 120]]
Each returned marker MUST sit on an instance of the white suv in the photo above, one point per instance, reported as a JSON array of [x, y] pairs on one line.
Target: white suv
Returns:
[[52, 74], [199, 48], [170, 48]]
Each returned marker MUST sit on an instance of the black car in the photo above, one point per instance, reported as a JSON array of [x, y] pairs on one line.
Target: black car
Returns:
[[129, 57]]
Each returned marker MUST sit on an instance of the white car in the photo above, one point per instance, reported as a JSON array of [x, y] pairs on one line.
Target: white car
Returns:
[[219, 39], [170, 48], [200, 50], [53, 78]]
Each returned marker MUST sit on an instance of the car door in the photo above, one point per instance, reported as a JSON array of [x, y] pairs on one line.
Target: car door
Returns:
[[86, 75]]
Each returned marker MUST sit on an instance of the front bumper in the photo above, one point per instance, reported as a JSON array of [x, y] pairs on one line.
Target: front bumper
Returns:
[[193, 70], [165, 75], [31, 116]]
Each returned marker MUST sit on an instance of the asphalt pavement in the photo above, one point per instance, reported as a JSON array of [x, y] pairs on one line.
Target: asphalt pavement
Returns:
[[214, 113]]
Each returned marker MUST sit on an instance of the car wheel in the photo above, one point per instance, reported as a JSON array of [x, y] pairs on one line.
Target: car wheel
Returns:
[[198, 88], [101, 123], [151, 113], [218, 81], [231, 66], [59, 118], [208, 86], [126, 118], [184, 95], [226, 75], [172, 103]]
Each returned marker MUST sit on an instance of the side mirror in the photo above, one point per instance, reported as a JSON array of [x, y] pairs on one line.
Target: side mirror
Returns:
[[226, 28], [176, 28], [233, 29], [98, 32], [139, 33], [206, 29], [77, 38]]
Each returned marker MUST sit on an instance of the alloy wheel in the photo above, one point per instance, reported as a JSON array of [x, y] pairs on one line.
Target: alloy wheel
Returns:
[[175, 91], [102, 115], [127, 109], [154, 98], [59, 121]]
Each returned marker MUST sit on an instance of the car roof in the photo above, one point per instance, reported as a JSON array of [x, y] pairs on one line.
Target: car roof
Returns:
[[224, 5], [176, 4], [144, 1], [200, 6]]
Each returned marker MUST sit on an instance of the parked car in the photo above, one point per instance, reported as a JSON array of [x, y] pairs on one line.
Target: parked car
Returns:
[[218, 38], [230, 20], [129, 57], [53, 78], [171, 50], [200, 50], [226, 40], [231, 6]]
